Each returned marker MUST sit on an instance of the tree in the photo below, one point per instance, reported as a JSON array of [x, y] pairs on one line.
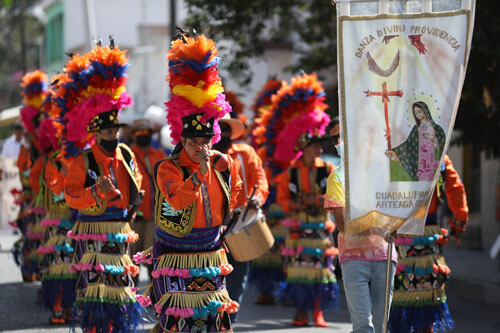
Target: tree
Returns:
[[20, 36], [311, 25]]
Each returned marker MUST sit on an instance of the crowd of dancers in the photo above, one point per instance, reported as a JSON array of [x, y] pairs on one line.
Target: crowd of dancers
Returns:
[[94, 210]]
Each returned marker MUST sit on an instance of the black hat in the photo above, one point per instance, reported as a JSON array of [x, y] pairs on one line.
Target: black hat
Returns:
[[105, 120], [193, 127]]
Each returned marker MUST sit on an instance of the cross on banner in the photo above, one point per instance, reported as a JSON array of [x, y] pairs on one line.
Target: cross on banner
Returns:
[[385, 99]]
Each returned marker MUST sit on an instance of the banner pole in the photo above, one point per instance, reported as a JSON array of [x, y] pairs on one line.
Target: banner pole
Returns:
[[387, 287]]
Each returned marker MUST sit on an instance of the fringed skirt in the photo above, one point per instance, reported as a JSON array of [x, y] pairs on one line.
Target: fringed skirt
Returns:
[[189, 281], [105, 300], [266, 272], [419, 299], [58, 282], [310, 274], [35, 235]]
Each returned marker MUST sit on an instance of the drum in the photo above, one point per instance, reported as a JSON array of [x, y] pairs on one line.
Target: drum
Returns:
[[251, 237]]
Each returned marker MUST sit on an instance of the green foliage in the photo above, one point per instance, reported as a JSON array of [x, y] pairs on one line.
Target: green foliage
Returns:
[[311, 26], [21, 35], [478, 119], [256, 25]]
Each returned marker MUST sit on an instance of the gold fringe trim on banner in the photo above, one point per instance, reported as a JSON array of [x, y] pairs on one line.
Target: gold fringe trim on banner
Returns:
[[193, 300], [60, 269], [109, 292], [102, 227], [192, 260], [422, 262], [418, 295], [308, 273], [106, 259]]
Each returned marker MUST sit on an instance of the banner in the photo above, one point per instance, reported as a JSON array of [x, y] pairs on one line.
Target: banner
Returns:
[[10, 181], [401, 68]]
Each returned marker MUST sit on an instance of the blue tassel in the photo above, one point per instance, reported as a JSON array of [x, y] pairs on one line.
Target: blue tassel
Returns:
[[419, 318], [52, 287], [266, 280], [122, 318], [303, 295]]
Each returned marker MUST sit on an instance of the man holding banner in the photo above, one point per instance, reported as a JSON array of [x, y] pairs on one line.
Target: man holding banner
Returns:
[[401, 69]]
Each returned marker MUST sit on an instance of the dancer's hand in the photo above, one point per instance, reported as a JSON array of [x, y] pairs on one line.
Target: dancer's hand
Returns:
[[392, 155]]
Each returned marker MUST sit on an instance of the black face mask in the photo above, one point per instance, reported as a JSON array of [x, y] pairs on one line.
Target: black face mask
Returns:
[[223, 144], [109, 145], [143, 140]]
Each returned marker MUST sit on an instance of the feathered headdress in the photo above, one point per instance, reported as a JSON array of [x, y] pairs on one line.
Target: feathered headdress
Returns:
[[93, 95], [197, 100], [237, 106], [297, 111], [263, 99], [35, 87], [262, 104], [303, 101]]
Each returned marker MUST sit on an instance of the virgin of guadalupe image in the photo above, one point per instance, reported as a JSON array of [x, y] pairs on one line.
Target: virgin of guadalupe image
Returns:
[[417, 158]]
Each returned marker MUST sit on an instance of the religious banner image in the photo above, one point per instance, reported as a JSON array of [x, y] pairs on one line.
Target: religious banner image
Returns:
[[400, 79]]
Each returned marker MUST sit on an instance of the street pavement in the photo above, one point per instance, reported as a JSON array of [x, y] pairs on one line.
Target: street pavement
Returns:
[[19, 313]]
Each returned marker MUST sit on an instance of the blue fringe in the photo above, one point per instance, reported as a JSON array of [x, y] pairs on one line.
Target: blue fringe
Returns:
[[123, 318], [303, 295], [419, 318], [50, 289], [266, 280]]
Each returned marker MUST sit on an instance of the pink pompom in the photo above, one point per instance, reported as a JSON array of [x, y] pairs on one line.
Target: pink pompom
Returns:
[[156, 274], [158, 308]]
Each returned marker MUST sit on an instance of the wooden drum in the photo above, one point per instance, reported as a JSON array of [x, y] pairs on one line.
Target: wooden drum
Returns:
[[250, 238]]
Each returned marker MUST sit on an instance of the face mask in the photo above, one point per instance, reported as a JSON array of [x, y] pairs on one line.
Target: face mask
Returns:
[[109, 145], [340, 149], [143, 140], [223, 144]]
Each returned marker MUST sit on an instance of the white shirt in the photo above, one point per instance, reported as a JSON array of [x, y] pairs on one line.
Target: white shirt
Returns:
[[11, 147]]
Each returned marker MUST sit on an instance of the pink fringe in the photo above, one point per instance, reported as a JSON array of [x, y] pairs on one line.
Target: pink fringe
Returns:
[[178, 107], [132, 237], [47, 140], [45, 249], [184, 273], [81, 115], [144, 301], [27, 115], [291, 223], [32, 235], [50, 222]]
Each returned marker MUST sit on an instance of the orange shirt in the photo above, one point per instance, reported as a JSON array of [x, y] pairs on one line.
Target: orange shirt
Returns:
[[146, 162], [284, 197], [24, 159], [80, 197], [180, 194], [54, 178], [251, 173], [455, 192], [35, 173]]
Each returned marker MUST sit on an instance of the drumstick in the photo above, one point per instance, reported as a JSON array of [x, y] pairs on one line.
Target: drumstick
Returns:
[[249, 198]]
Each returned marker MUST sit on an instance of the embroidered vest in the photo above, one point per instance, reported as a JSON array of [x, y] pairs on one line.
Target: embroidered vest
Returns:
[[318, 187], [54, 203], [93, 172], [180, 222]]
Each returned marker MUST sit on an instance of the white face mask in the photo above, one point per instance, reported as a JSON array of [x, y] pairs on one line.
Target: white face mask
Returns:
[[340, 149]]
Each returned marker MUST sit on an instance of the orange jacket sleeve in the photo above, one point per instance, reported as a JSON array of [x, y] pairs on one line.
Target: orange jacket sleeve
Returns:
[[54, 178], [236, 183], [35, 174], [23, 159], [177, 192], [455, 192], [77, 195], [257, 175], [283, 196]]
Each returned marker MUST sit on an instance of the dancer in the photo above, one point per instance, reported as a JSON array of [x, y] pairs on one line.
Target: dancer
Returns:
[[301, 189]]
